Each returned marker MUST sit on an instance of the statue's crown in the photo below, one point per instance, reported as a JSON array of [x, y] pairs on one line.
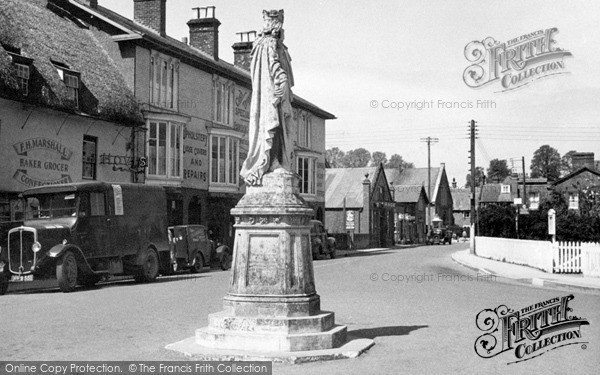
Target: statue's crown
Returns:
[[273, 13]]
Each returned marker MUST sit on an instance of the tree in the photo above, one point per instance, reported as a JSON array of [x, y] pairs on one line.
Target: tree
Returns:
[[566, 163], [357, 158], [396, 161], [546, 162], [478, 177], [498, 170], [335, 157], [378, 157]]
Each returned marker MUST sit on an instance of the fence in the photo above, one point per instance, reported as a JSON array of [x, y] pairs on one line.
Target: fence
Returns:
[[557, 257]]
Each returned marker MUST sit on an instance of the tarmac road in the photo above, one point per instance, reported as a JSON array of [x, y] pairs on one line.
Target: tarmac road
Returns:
[[416, 303]]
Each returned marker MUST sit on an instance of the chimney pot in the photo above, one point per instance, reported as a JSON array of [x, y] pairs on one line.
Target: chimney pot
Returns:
[[204, 31], [242, 50]]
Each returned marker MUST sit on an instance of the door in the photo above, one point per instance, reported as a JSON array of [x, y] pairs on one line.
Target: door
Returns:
[[94, 225]]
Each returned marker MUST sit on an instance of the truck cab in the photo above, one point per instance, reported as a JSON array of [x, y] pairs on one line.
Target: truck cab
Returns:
[[82, 232]]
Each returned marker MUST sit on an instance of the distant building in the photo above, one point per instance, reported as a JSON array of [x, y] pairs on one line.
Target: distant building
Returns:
[[441, 197], [461, 207], [578, 183], [411, 213], [359, 205]]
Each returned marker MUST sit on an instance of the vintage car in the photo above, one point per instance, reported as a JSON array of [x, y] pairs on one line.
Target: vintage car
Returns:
[[82, 232], [321, 243], [191, 248], [439, 234]]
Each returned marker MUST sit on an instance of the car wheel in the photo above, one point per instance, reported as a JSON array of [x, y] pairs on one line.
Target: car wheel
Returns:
[[225, 261], [149, 270], [3, 283], [66, 272], [198, 265], [332, 252]]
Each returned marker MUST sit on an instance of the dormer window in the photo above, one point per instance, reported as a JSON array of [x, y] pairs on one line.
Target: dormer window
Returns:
[[505, 189], [23, 78], [71, 80], [22, 66]]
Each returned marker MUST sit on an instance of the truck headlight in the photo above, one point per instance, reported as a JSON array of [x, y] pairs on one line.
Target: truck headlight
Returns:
[[36, 247]]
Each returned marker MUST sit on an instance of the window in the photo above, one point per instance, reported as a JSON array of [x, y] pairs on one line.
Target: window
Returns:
[[224, 158], [304, 130], [97, 204], [505, 188], [223, 105], [164, 77], [306, 168], [573, 201], [164, 149], [23, 78], [534, 200], [89, 157], [466, 214], [72, 83]]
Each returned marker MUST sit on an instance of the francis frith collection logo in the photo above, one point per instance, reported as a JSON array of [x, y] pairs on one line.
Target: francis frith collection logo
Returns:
[[515, 63], [530, 331]]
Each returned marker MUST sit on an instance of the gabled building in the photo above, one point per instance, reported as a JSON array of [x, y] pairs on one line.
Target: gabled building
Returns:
[[441, 197], [67, 114], [583, 181], [192, 107], [461, 207], [411, 213], [359, 205]]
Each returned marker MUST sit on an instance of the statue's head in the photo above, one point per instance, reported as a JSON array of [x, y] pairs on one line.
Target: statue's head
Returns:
[[273, 22]]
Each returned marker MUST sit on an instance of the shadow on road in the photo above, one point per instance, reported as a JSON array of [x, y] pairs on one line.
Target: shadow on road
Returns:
[[371, 333]]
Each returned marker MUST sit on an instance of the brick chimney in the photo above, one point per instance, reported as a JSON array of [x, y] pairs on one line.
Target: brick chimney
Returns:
[[242, 50], [151, 13], [204, 31], [453, 183], [582, 159]]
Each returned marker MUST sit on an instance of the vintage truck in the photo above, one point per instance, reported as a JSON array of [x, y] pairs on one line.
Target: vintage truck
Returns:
[[439, 234], [82, 232]]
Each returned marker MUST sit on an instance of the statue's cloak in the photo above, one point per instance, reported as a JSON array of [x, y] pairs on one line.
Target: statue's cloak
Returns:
[[270, 68]]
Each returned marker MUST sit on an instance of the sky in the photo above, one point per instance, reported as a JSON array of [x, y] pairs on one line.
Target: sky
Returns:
[[392, 73]]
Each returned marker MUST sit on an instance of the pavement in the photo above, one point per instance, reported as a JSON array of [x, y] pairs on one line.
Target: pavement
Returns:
[[527, 275]]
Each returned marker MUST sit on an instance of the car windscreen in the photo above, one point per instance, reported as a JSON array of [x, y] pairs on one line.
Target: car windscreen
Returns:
[[45, 206]]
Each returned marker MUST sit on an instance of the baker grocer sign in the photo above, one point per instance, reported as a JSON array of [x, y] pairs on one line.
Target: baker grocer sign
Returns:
[[515, 63]]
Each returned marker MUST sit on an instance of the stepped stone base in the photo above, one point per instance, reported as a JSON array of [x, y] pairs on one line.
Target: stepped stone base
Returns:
[[272, 309]]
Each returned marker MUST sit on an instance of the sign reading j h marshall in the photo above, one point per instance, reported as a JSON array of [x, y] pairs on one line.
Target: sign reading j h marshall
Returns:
[[515, 63], [530, 331]]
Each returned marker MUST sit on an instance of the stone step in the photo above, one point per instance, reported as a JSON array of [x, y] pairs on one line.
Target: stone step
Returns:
[[289, 325], [270, 341]]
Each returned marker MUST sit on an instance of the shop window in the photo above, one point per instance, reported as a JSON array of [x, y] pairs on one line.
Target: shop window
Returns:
[[224, 160], [89, 157], [164, 149]]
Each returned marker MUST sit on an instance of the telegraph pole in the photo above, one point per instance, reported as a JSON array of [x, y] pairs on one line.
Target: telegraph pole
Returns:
[[429, 141], [473, 212]]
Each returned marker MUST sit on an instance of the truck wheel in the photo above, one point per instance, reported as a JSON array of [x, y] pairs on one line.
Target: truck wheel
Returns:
[[198, 265], [3, 283], [149, 270], [66, 272], [332, 252], [225, 261]]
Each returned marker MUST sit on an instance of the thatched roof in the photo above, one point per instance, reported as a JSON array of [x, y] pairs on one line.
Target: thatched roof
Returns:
[[46, 33]]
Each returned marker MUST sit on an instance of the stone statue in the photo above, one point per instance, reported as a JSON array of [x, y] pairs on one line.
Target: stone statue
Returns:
[[271, 134]]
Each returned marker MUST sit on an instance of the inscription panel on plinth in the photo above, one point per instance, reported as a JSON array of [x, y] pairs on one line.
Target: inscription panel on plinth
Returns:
[[263, 268]]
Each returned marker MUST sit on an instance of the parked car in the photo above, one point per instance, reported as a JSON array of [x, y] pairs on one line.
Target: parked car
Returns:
[[191, 248], [321, 243]]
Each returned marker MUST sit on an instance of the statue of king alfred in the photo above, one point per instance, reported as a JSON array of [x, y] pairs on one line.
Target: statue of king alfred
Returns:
[[271, 133]]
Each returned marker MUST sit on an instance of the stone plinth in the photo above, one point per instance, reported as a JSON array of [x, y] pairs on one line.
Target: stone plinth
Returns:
[[272, 310], [272, 304]]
